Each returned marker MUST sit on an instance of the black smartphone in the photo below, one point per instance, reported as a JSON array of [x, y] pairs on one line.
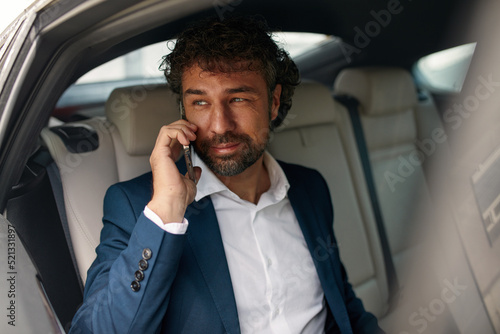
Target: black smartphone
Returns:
[[187, 150]]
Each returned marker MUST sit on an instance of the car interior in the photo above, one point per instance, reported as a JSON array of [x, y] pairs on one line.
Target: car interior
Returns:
[[383, 141]]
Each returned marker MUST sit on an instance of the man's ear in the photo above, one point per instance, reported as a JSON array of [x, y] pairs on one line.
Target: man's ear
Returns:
[[275, 105]]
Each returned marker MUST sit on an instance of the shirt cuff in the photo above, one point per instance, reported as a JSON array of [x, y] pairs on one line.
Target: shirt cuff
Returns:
[[174, 228]]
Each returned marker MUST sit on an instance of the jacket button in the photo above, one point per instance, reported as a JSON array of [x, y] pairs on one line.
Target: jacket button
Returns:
[[139, 275], [147, 253], [135, 286], [143, 264]]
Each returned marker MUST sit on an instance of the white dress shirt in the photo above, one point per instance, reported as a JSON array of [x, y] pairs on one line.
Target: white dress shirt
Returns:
[[275, 283]]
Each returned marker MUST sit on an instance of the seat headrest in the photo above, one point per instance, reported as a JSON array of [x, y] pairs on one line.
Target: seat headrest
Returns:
[[379, 90], [139, 112], [312, 104]]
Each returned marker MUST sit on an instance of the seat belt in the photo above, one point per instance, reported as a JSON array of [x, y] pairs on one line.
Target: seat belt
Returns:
[[57, 190], [352, 105]]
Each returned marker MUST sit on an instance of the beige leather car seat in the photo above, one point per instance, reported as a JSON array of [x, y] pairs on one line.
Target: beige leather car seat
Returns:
[[403, 136], [401, 139]]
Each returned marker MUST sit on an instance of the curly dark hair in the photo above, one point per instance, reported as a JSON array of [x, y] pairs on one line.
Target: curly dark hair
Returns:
[[233, 45]]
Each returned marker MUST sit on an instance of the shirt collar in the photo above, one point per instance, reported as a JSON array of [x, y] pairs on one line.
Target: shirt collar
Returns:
[[209, 184]]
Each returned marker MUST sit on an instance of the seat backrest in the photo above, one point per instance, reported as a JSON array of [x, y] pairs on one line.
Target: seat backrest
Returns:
[[312, 136], [402, 136], [94, 154]]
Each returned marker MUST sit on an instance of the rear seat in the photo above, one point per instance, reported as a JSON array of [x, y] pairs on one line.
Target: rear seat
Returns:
[[125, 140], [403, 137]]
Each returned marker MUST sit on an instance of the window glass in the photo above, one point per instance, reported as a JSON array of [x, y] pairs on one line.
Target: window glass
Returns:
[[139, 64], [297, 43], [445, 71]]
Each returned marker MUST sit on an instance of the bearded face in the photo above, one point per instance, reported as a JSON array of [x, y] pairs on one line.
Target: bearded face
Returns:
[[232, 163]]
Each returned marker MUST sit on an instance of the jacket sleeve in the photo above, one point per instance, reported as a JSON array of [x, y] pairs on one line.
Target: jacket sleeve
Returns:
[[110, 304]]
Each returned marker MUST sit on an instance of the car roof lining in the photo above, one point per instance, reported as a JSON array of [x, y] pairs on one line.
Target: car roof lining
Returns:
[[340, 19]]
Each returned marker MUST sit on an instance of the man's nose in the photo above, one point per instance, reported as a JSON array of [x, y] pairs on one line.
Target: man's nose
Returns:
[[222, 119]]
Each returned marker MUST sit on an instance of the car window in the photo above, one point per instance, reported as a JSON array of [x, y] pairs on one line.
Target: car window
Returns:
[[445, 71], [142, 63]]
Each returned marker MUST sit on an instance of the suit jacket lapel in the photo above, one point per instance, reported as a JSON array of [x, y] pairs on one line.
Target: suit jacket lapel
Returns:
[[204, 238], [319, 247]]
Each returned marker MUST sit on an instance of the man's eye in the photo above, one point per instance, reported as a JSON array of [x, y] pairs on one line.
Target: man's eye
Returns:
[[238, 99], [200, 103]]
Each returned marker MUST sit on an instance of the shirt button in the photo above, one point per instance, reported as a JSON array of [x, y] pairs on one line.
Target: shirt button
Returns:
[[143, 264], [139, 275], [135, 286], [276, 312], [269, 262], [147, 253]]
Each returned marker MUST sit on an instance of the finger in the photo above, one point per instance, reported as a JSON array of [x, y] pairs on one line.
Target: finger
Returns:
[[169, 136], [183, 122], [180, 132], [189, 127]]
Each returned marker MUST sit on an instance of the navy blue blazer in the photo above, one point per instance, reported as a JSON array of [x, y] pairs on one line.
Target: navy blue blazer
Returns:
[[186, 286]]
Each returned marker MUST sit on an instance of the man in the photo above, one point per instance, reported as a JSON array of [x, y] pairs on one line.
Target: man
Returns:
[[216, 256]]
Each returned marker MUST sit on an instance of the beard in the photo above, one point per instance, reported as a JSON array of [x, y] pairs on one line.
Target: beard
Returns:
[[230, 164]]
